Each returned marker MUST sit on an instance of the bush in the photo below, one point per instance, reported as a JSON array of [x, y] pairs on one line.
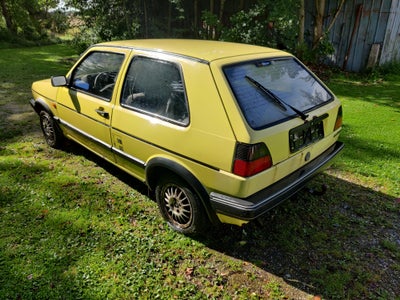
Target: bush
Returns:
[[84, 38], [267, 23], [388, 71]]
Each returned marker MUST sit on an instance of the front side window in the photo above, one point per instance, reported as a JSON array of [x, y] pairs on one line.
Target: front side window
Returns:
[[274, 90], [155, 87], [97, 73]]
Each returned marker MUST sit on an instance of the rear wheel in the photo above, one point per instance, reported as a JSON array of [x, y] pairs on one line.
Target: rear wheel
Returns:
[[180, 206], [52, 133]]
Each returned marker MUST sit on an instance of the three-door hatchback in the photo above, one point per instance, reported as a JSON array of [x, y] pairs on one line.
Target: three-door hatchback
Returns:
[[221, 132]]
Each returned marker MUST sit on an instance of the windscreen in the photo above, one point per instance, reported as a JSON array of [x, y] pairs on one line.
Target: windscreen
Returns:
[[274, 90]]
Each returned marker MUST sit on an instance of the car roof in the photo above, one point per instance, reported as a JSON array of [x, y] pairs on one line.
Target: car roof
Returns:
[[203, 50]]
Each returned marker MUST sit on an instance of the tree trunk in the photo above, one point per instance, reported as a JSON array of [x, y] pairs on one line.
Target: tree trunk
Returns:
[[319, 21], [196, 15], [169, 18], [221, 11], [127, 19], [241, 5], [318, 38], [7, 17], [146, 30], [301, 22]]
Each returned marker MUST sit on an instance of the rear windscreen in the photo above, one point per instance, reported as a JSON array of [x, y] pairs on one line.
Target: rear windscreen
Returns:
[[271, 91]]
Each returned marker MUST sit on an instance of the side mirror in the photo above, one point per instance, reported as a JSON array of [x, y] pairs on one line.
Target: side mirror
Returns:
[[59, 81]]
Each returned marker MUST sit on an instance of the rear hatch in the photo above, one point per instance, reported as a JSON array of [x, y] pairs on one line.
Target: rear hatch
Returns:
[[279, 103]]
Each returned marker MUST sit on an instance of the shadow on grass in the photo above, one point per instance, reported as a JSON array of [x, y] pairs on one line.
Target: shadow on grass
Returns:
[[364, 150], [382, 93], [342, 244], [31, 267]]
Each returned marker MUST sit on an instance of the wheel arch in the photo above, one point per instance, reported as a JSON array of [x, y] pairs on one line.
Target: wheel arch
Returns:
[[39, 105], [161, 166]]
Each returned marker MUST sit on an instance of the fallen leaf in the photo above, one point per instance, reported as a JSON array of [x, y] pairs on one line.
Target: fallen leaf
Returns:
[[189, 272]]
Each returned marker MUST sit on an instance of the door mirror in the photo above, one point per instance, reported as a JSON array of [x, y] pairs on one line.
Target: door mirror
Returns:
[[59, 81]]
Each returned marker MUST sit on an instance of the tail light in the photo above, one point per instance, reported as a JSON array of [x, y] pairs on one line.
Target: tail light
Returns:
[[251, 159], [339, 119]]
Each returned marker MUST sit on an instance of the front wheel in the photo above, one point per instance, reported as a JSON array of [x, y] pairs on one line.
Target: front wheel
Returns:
[[180, 207], [52, 133]]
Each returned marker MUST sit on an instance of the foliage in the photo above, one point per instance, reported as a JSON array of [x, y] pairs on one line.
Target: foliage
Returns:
[[317, 55], [388, 71], [26, 17], [87, 36], [262, 22], [111, 20], [57, 21], [108, 19], [211, 26], [267, 23], [249, 27]]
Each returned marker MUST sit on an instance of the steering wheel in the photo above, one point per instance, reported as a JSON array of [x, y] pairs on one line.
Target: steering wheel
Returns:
[[108, 86], [100, 81]]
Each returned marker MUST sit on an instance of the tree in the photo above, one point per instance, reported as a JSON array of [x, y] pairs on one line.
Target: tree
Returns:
[[7, 16], [319, 32], [26, 18], [315, 47], [269, 23], [301, 22], [275, 23]]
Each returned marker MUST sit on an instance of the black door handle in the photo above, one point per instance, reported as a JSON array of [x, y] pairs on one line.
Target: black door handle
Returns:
[[102, 113]]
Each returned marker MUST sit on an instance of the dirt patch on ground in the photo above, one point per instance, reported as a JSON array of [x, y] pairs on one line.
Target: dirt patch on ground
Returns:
[[17, 119]]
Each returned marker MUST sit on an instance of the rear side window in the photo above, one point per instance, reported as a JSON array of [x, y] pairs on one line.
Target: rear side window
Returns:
[[271, 91], [155, 87]]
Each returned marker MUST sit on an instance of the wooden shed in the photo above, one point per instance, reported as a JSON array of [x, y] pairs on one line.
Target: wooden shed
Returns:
[[366, 32]]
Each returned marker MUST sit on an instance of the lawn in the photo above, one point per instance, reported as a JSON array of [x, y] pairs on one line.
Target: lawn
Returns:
[[74, 227]]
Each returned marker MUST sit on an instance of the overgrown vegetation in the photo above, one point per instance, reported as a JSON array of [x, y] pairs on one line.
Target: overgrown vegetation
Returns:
[[31, 22], [278, 24], [75, 227]]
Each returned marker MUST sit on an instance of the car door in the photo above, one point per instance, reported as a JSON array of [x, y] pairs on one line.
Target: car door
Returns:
[[85, 105], [153, 113]]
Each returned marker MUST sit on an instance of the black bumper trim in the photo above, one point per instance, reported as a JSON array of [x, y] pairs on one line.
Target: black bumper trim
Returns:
[[254, 206]]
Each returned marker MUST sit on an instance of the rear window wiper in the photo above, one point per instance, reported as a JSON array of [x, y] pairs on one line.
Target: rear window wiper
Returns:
[[282, 104]]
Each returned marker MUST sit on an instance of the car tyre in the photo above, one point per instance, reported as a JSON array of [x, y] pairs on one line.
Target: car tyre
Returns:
[[52, 133], [180, 206]]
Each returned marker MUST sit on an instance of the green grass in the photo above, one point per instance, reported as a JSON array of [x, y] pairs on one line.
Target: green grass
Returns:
[[371, 131], [75, 227]]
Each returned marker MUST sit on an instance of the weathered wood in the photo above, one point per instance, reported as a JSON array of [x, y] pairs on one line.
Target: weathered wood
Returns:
[[373, 56], [379, 23]]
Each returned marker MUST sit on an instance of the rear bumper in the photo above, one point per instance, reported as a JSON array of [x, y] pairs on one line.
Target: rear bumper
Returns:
[[264, 200]]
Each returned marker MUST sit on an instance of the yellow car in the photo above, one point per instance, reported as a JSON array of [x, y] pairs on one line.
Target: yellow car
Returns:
[[221, 132]]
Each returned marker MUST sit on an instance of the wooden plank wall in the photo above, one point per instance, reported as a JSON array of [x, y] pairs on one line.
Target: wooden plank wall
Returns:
[[391, 45], [360, 25]]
